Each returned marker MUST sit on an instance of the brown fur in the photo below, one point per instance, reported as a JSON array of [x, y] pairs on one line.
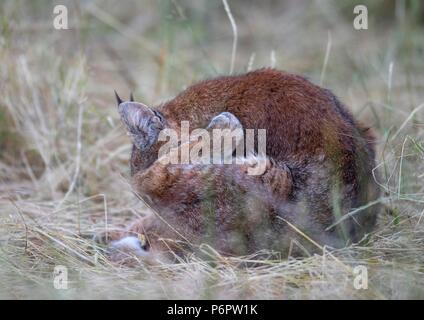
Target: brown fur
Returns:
[[319, 168]]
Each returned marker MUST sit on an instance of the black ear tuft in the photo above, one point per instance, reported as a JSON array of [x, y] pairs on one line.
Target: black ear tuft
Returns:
[[131, 97], [118, 99]]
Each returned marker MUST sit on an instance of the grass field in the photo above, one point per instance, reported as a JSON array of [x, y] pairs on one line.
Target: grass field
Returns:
[[64, 171]]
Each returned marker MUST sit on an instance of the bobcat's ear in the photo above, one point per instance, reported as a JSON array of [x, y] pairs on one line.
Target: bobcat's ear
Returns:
[[118, 99], [142, 123]]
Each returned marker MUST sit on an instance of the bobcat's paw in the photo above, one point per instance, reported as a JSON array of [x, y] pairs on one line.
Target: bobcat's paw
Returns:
[[130, 251], [225, 120], [119, 246], [104, 238], [129, 245]]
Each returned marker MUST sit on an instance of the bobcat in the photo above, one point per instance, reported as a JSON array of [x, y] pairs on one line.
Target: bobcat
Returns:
[[319, 164]]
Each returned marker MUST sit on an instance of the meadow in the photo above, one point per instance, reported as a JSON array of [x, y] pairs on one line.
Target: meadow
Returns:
[[64, 155]]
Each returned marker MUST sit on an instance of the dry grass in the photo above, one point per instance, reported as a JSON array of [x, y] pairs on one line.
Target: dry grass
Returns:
[[64, 158]]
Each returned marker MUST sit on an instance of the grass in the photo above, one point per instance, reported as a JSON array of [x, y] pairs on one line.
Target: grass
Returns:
[[64, 160]]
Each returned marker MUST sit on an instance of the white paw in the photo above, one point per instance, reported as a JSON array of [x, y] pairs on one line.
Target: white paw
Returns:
[[128, 245]]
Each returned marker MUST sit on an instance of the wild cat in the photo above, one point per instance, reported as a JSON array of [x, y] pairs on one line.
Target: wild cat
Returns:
[[319, 163]]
